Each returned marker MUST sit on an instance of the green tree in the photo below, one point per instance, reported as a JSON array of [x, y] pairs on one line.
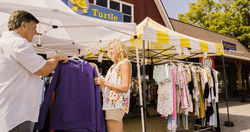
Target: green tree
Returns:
[[229, 17]]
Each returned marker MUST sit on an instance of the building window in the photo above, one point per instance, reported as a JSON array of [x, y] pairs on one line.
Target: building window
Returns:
[[126, 18], [126, 9], [102, 3], [115, 5]]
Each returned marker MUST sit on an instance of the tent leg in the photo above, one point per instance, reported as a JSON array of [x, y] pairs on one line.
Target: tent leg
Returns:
[[140, 89], [144, 86], [227, 123]]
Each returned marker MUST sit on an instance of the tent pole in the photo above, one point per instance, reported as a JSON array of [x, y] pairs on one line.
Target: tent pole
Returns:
[[144, 86], [39, 30], [227, 123], [140, 89]]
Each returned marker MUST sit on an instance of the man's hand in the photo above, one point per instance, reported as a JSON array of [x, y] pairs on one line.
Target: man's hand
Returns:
[[61, 58], [51, 64]]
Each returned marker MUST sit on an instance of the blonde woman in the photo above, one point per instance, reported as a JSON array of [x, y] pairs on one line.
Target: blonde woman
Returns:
[[116, 85]]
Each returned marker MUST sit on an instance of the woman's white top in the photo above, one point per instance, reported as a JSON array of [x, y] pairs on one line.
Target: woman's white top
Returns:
[[113, 99]]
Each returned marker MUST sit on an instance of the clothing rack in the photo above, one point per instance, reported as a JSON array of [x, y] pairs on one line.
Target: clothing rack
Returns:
[[204, 128]]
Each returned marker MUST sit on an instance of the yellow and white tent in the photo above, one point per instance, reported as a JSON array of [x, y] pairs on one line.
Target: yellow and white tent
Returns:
[[162, 43]]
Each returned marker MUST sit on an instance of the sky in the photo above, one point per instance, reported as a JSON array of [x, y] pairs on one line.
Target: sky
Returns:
[[174, 7]]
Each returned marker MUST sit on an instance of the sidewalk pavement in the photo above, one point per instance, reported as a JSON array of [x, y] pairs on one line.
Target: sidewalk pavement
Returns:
[[239, 114]]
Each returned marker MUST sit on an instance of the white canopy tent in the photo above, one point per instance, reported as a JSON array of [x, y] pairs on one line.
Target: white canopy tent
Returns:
[[62, 30]]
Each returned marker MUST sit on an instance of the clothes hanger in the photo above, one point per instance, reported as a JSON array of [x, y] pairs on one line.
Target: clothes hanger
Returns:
[[75, 57]]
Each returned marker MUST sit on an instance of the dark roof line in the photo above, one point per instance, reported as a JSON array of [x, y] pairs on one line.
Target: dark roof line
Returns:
[[205, 29]]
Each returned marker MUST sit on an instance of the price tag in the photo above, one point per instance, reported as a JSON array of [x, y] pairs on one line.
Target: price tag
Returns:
[[50, 54], [100, 57]]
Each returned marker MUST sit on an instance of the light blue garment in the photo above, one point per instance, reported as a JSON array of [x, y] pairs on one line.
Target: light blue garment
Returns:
[[214, 116], [172, 123], [32, 126], [184, 120], [42, 90]]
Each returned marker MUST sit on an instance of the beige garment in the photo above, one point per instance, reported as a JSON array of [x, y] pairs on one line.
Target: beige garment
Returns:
[[204, 77], [188, 73], [216, 85], [209, 77]]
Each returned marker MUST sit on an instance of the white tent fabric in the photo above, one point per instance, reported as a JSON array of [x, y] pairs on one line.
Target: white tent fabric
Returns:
[[62, 30], [73, 34]]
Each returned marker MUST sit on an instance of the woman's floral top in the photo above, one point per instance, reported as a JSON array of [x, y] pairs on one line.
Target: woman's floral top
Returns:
[[113, 99]]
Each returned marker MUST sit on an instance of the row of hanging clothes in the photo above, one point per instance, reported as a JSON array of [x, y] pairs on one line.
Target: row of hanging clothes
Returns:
[[45, 81], [150, 90], [187, 89]]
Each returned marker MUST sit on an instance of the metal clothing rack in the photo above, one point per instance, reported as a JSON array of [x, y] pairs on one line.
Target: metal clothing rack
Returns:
[[178, 129], [207, 128], [195, 125]]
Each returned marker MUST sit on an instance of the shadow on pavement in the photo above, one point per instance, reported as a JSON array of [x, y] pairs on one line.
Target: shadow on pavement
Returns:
[[241, 123]]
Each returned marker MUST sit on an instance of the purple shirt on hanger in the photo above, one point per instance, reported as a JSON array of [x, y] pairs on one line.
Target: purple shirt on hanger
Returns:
[[77, 99]]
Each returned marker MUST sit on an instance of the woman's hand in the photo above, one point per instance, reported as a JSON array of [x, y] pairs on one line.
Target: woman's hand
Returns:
[[99, 81], [96, 67]]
